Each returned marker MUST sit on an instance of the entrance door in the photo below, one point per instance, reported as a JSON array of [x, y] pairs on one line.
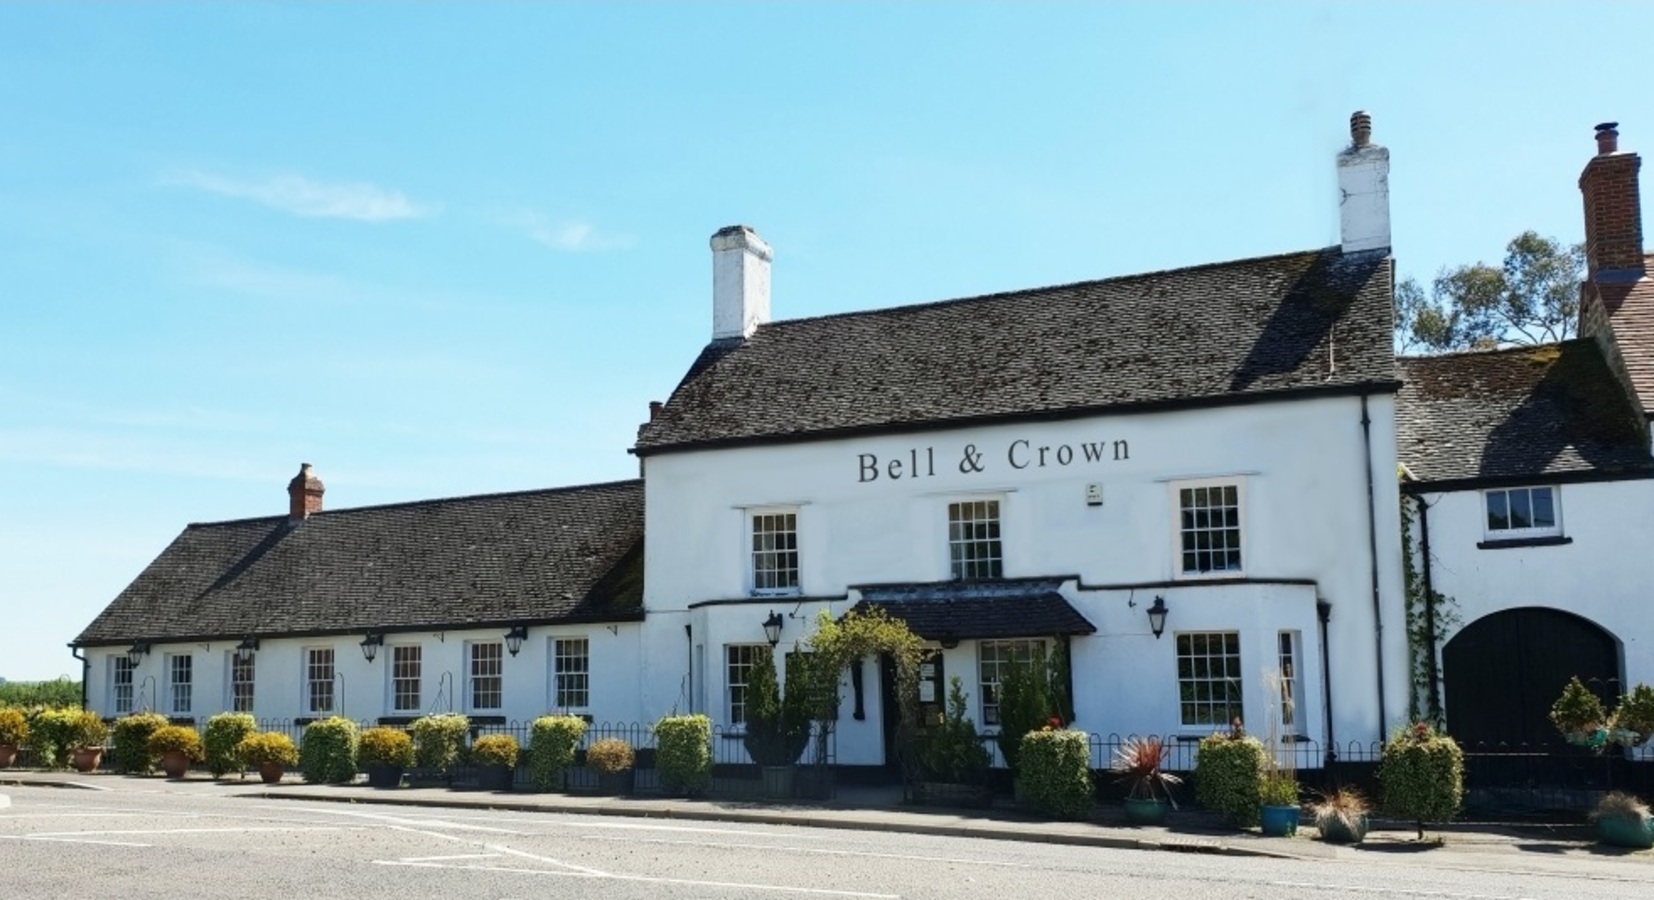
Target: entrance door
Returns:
[[1502, 672]]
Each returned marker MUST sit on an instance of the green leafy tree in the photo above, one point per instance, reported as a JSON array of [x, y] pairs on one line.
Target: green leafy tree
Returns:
[[1533, 298], [59, 692]]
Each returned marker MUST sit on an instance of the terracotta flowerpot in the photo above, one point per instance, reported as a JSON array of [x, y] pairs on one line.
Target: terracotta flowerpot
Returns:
[[175, 763], [86, 759], [271, 772], [8, 755]]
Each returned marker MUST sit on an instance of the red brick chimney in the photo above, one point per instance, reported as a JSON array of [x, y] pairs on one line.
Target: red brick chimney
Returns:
[[304, 494], [1613, 210]]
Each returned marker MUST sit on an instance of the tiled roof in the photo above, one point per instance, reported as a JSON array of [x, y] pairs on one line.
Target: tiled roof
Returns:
[[1315, 319], [569, 554], [975, 610], [1630, 308], [1526, 411]]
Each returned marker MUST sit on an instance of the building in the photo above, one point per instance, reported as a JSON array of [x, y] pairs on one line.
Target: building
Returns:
[[1185, 478], [1529, 483]]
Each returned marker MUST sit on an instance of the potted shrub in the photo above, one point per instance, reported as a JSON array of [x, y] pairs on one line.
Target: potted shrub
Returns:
[[1056, 772], [1139, 763], [775, 732], [385, 753], [1341, 816], [223, 734], [613, 759], [130, 752], [327, 751], [952, 759], [177, 746], [551, 743], [495, 756], [1624, 821], [271, 752], [1580, 716], [438, 740], [1278, 803], [1229, 775], [14, 731], [1422, 772], [66, 735], [1634, 717], [683, 753]]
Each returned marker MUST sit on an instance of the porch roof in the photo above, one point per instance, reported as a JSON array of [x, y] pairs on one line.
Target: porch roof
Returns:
[[975, 610]]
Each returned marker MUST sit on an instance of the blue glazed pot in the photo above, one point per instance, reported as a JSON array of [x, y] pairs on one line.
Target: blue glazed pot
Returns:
[[1626, 831], [1279, 821], [1146, 812]]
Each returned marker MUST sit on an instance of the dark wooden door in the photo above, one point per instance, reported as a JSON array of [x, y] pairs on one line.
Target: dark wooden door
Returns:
[[1502, 672]]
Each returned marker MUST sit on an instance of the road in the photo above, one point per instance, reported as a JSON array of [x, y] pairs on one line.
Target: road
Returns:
[[138, 843]]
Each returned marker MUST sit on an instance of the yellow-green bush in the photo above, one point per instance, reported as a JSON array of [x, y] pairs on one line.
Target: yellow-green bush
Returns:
[[224, 732], [1229, 775], [327, 751], [130, 753], [1056, 772], [551, 743], [385, 746], [495, 750], [262, 747]]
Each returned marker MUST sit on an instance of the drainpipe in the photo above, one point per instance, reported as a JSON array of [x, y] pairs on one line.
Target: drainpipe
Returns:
[[1323, 612], [689, 667], [1433, 703], [85, 672], [1372, 548]]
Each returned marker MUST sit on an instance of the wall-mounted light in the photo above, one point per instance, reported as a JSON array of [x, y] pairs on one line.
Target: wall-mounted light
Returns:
[[136, 653], [370, 646], [1157, 617], [244, 651], [772, 628], [949, 640], [514, 638]]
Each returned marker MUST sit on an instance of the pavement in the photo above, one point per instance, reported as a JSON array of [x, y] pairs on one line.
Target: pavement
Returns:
[[880, 809]]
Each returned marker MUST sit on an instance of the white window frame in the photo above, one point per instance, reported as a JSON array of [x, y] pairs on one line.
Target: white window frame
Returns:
[[988, 680], [234, 667], [965, 564], [1290, 697], [1515, 533], [735, 701], [180, 690], [475, 680], [316, 660], [573, 681], [768, 575], [399, 680], [1233, 701], [121, 702], [1178, 529]]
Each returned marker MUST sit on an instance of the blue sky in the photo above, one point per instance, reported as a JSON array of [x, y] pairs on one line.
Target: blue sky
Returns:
[[444, 249]]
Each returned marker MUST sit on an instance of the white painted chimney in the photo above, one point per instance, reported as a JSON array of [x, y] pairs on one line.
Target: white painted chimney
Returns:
[[1364, 189], [740, 282]]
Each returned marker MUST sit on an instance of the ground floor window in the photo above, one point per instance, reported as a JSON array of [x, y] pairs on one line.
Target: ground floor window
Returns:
[[241, 681], [995, 660], [1291, 689], [486, 674], [1209, 677], [571, 674], [180, 681], [739, 659], [318, 679], [120, 683], [407, 663]]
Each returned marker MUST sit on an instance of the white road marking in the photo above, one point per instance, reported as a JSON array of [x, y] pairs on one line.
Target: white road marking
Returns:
[[74, 815], [410, 822], [236, 830], [545, 859], [422, 859], [647, 879], [819, 850], [65, 840], [1397, 891]]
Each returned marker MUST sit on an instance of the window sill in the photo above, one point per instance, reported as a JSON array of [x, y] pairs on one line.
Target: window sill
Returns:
[[1554, 540]]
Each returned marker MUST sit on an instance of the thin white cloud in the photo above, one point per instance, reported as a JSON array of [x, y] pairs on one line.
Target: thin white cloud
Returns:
[[566, 236], [302, 196]]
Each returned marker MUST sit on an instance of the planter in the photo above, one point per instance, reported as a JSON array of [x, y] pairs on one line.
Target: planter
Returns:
[[428, 777], [86, 759], [271, 772], [778, 781], [814, 782], [948, 793], [8, 755], [495, 778], [1626, 831], [1278, 821], [1337, 831], [1146, 812], [175, 763], [616, 783], [381, 776]]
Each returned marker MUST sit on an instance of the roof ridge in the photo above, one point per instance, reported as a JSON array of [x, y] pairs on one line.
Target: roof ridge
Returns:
[[1491, 351], [430, 501]]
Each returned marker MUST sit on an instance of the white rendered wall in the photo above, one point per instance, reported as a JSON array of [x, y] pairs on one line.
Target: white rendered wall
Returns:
[[1302, 463]]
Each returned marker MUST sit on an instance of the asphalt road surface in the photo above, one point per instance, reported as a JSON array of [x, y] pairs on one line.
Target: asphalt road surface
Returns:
[[58, 843]]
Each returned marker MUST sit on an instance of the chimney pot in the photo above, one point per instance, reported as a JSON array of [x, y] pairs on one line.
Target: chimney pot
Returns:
[[304, 494], [1608, 138], [654, 409], [1361, 128]]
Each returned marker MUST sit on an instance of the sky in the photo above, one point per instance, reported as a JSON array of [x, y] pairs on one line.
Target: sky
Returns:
[[441, 249]]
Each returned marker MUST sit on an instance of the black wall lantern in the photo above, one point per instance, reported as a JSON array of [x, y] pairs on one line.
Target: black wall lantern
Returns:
[[370, 646], [244, 651], [514, 638], [136, 653], [772, 628], [1157, 617]]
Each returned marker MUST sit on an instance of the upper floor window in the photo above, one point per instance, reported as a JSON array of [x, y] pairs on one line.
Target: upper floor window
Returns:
[[1209, 528], [241, 680], [571, 674], [407, 670], [487, 660], [775, 552], [180, 681], [974, 550], [1522, 512], [120, 682]]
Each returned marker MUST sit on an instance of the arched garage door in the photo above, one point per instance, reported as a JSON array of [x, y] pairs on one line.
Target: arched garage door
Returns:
[[1502, 672]]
